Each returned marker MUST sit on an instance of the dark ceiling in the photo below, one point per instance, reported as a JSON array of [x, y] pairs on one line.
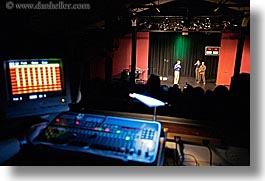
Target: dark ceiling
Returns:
[[162, 15]]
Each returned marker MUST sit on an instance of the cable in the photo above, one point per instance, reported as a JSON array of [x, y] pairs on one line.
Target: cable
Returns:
[[207, 144], [179, 158], [211, 155], [220, 156], [195, 160], [179, 155]]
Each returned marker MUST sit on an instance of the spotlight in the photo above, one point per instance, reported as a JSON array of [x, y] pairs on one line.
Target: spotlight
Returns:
[[216, 9]]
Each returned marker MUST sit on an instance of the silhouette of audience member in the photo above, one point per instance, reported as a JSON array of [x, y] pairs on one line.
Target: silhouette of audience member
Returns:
[[240, 85], [188, 89], [208, 93], [164, 92], [221, 91], [174, 94], [198, 91], [218, 104], [174, 90], [240, 107], [153, 87]]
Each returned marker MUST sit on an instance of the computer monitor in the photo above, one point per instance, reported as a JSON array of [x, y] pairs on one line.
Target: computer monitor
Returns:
[[30, 87]]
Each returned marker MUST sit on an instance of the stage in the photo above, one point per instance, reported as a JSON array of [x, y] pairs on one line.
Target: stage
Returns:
[[210, 84]]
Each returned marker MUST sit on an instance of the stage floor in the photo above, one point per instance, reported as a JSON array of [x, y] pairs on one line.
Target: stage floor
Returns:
[[210, 84]]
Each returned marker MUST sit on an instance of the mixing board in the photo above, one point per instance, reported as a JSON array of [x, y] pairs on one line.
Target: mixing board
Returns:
[[126, 139]]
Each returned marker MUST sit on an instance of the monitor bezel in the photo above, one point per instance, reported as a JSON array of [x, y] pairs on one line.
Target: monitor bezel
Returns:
[[57, 101]]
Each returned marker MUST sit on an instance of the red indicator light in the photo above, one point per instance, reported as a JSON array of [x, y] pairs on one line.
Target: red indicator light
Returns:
[[216, 49], [77, 122], [57, 120], [107, 130], [96, 128]]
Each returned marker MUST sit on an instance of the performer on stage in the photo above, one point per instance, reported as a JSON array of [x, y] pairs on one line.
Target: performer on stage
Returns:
[[177, 68], [202, 70], [197, 67]]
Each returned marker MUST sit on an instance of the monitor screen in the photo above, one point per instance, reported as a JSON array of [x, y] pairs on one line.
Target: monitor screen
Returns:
[[34, 87]]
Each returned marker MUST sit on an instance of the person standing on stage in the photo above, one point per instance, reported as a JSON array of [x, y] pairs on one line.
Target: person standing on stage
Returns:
[[177, 68], [197, 67], [202, 70]]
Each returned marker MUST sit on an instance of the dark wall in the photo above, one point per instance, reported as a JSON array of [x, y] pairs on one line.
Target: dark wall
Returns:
[[84, 53]]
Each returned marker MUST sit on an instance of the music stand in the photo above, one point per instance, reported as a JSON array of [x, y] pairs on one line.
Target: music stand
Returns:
[[149, 101]]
